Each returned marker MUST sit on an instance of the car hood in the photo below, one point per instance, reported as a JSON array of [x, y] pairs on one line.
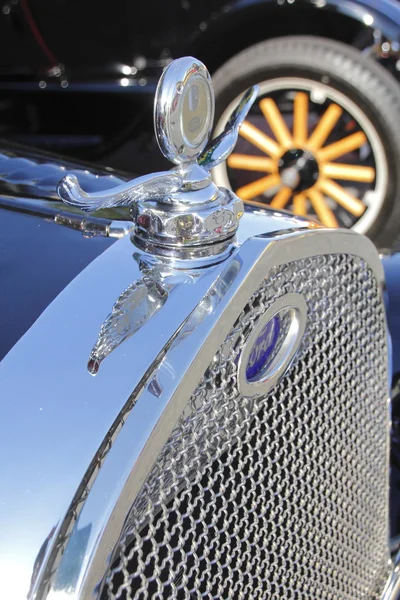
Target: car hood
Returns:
[[43, 247]]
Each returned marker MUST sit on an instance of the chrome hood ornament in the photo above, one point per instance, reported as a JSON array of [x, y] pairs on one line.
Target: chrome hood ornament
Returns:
[[179, 213]]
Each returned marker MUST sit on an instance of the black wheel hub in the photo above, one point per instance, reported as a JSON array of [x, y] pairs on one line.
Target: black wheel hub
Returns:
[[298, 169]]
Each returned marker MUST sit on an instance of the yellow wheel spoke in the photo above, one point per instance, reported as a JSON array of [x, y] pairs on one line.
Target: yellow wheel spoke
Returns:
[[300, 204], [348, 172], [300, 119], [335, 191], [347, 144], [324, 127], [259, 139], [281, 198], [251, 163], [324, 213], [274, 117], [255, 188]]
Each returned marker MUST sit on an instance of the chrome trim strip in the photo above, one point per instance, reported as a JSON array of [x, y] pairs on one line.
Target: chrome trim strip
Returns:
[[392, 588], [88, 224], [118, 229]]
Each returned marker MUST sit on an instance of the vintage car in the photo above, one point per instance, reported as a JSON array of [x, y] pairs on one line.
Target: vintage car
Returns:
[[195, 395], [334, 63]]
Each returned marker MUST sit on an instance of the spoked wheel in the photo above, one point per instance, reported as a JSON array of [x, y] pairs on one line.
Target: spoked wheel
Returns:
[[315, 142]]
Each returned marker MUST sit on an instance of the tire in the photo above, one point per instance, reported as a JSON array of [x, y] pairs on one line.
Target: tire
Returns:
[[368, 96]]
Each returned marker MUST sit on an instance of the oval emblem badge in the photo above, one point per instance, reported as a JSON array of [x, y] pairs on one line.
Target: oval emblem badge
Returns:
[[263, 348], [271, 345]]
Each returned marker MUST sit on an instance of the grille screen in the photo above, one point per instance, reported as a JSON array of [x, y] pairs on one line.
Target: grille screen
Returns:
[[283, 496]]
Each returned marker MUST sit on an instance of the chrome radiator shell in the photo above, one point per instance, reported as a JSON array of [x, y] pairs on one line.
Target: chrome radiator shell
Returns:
[[284, 495], [128, 424], [191, 354]]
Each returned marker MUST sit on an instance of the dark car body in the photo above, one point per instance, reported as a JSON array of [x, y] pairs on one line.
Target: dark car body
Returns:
[[56, 56]]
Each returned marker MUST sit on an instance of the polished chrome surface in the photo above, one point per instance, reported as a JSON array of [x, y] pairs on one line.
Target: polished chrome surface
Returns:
[[132, 309], [57, 421], [137, 305], [156, 187], [198, 227], [181, 208], [221, 147], [150, 317], [392, 588], [88, 225], [142, 427], [118, 229], [284, 495], [184, 110]]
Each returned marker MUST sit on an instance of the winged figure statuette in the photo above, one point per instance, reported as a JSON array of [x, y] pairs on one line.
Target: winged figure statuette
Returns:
[[183, 120], [156, 186]]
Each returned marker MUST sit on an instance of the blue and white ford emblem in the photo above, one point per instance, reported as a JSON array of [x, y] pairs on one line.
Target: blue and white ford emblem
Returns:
[[263, 348], [272, 345]]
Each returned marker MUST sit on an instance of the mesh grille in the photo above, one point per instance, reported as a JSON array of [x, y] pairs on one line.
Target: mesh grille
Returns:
[[283, 496]]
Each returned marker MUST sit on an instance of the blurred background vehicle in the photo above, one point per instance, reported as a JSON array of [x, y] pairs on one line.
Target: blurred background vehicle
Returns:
[[323, 139]]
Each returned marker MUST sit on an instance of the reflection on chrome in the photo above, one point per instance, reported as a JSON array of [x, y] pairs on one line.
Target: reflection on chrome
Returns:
[[135, 306], [210, 301]]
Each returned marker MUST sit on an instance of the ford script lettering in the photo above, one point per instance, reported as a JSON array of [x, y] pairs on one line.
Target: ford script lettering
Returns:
[[263, 348]]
